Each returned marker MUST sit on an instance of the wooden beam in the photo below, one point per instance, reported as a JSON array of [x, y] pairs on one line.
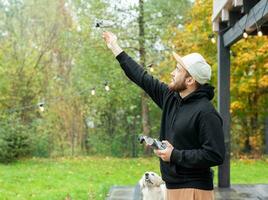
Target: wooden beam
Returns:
[[218, 5], [225, 15], [237, 3], [215, 26], [259, 13]]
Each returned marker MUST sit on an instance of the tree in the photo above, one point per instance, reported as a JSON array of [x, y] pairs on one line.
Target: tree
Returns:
[[52, 53], [249, 94]]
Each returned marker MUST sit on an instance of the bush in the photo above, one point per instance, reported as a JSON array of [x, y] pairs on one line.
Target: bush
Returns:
[[15, 142]]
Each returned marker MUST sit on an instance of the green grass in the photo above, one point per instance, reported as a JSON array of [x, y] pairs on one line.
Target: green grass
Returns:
[[91, 177]]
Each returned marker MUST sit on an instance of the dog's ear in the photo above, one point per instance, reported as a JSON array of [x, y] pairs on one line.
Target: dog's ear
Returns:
[[159, 180]]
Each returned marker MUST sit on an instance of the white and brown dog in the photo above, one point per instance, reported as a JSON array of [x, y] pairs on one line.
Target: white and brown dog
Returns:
[[152, 187]]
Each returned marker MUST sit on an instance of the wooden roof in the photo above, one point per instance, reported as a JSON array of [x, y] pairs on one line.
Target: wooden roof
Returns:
[[221, 10], [239, 16]]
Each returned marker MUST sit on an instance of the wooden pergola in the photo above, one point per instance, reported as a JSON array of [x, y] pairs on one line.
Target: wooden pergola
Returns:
[[233, 19]]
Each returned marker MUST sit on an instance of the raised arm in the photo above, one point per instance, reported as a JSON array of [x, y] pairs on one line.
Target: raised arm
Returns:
[[153, 87]]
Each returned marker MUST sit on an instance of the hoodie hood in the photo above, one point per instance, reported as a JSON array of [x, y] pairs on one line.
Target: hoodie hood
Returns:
[[205, 90]]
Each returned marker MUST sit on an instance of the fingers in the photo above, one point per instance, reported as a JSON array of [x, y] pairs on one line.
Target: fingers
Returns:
[[109, 37], [159, 153], [156, 152], [106, 36], [167, 143]]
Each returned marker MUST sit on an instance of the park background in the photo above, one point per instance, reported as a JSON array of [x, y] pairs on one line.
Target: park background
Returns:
[[69, 117]]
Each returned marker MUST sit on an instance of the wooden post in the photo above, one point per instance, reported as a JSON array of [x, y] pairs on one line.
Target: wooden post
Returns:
[[224, 105]]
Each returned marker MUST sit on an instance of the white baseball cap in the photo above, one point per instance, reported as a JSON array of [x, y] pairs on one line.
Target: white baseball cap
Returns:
[[196, 65]]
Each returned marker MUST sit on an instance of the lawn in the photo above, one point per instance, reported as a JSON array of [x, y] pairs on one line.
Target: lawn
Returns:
[[91, 177]]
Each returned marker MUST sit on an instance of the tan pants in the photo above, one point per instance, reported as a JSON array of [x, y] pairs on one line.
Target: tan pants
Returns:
[[189, 194]]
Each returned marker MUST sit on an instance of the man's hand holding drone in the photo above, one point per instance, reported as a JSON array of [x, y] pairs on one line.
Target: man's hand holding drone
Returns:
[[165, 154], [111, 42]]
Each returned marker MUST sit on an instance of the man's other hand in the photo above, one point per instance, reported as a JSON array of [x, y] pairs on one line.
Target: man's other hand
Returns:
[[166, 153]]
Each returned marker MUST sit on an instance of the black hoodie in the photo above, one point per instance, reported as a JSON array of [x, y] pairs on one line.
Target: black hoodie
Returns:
[[191, 124]]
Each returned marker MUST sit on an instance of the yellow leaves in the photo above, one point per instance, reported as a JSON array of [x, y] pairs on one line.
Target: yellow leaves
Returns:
[[244, 88], [265, 66], [248, 85], [263, 49], [246, 57], [256, 141], [252, 82], [236, 106], [263, 82], [190, 27]]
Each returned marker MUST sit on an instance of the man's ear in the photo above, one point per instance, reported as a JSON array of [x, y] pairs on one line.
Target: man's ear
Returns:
[[190, 80]]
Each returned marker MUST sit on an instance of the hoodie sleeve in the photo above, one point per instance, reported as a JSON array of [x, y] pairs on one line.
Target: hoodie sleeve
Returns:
[[211, 138], [153, 87]]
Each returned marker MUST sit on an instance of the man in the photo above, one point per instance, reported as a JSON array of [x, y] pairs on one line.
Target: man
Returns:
[[190, 125]]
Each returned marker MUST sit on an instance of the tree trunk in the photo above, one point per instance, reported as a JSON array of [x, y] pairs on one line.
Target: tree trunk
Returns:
[[133, 138], [73, 135], [142, 54]]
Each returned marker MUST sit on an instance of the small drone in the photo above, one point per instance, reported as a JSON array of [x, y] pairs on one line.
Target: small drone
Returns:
[[153, 143], [103, 24]]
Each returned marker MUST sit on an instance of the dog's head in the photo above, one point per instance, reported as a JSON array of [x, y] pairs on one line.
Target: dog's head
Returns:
[[150, 179]]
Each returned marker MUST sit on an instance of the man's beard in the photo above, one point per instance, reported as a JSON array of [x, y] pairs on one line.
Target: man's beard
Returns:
[[178, 86]]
